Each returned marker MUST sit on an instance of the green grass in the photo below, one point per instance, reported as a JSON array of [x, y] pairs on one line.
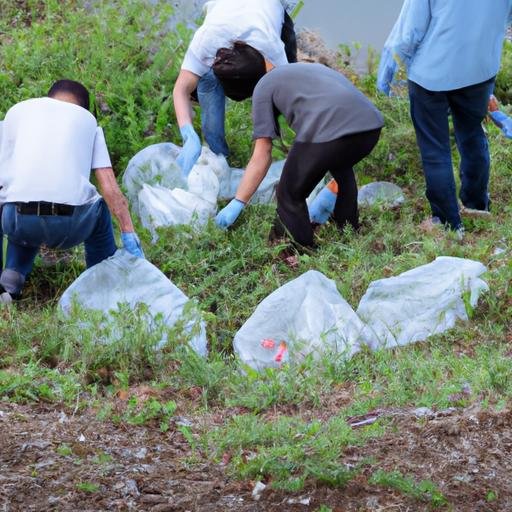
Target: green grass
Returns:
[[280, 432]]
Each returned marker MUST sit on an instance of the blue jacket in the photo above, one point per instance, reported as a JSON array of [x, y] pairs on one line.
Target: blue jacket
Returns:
[[446, 44]]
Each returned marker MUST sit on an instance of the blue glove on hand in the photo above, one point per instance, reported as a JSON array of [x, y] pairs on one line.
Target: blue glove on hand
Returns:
[[387, 69], [504, 122], [228, 215], [191, 149], [131, 243], [322, 206]]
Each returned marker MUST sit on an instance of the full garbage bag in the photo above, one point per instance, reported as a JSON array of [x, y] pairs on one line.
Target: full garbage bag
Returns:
[[424, 301], [266, 192], [125, 279], [305, 316]]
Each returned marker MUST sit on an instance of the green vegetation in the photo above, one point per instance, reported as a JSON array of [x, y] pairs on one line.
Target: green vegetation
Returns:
[[125, 56]]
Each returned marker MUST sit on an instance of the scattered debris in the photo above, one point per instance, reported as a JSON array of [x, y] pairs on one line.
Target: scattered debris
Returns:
[[258, 490]]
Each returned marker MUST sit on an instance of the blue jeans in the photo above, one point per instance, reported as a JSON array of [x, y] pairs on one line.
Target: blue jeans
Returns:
[[429, 112], [212, 101], [90, 224]]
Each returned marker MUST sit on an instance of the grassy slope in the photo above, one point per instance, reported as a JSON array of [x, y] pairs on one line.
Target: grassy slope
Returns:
[[122, 54]]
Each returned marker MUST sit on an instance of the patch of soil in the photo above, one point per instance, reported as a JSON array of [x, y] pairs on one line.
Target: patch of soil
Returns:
[[50, 460]]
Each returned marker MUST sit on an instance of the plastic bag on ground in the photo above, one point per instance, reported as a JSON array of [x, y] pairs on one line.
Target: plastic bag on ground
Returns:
[[421, 302], [162, 197], [306, 315], [266, 192], [156, 166], [125, 279], [160, 206], [381, 192]]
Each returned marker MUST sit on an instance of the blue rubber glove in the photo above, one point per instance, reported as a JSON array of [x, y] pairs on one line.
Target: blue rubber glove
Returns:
[[504, 122], [131, 243], [228, 215], [322, 206], [191, 149], [387, 69]]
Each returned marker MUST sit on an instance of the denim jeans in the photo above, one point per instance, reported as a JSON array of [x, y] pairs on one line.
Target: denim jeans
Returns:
[[212, 101], [90, 224], [429, 112]]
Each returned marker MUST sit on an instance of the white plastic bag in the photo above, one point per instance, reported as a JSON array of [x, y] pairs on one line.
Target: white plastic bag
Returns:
[[380, 192], [306, 315], [156, 166], [162, 197], [421, 302], [266, 192], [125, 279]]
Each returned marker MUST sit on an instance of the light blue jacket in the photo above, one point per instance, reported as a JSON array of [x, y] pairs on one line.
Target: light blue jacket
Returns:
[[446, 44]]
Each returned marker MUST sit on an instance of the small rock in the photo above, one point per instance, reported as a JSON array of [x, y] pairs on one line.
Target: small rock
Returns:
[[423, 412], [81, 438], [154, 499], [181, 421], [258, 490], [141, 454], [44, 464], [131, 488], [299, 501], [499, 251], [63, 418]]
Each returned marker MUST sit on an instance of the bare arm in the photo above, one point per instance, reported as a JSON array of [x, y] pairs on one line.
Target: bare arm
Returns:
[[186, 83], [115, 199], [256, 170]]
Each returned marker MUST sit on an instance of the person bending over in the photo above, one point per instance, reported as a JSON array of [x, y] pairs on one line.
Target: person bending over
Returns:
[[219, 63], [336, 126], [47, 150]]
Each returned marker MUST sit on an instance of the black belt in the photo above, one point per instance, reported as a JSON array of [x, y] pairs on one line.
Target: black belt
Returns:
[[44, 208]]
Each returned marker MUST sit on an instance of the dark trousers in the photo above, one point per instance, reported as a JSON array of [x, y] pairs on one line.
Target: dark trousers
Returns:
[[306, 166], [429, 113]]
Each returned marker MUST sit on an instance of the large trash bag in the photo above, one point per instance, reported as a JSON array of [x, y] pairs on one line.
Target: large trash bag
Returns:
[[305, 316], [160, 206], [125, 279], [266, 192], [161, 196], [421, 302], [156, 166], [380, 192]]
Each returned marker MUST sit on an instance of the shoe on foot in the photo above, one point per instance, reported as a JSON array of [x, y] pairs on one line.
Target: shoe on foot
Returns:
[[459, 233], [473, 212]]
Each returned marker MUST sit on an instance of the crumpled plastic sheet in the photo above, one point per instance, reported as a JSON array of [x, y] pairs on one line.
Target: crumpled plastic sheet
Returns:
[[424, 301], [126, 279], [305, 316], [380, 192], [308, 315]]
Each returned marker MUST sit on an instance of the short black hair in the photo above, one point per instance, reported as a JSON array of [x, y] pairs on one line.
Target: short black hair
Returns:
[[78, 90], [239, 69]]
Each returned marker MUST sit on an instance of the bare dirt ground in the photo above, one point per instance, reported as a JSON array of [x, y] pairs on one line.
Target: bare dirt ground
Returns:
[[52, 460]]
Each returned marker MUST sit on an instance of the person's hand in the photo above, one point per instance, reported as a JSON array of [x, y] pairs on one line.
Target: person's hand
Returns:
[[228, 215], [131, 243], [322, 206], [387, 68], [191, 149], [504, 122]]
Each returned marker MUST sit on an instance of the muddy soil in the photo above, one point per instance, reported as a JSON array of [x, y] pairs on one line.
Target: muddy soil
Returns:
[[51, 459]]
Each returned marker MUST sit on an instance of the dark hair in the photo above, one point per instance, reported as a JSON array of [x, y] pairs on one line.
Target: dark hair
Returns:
[[239, 69], [71, 87]]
